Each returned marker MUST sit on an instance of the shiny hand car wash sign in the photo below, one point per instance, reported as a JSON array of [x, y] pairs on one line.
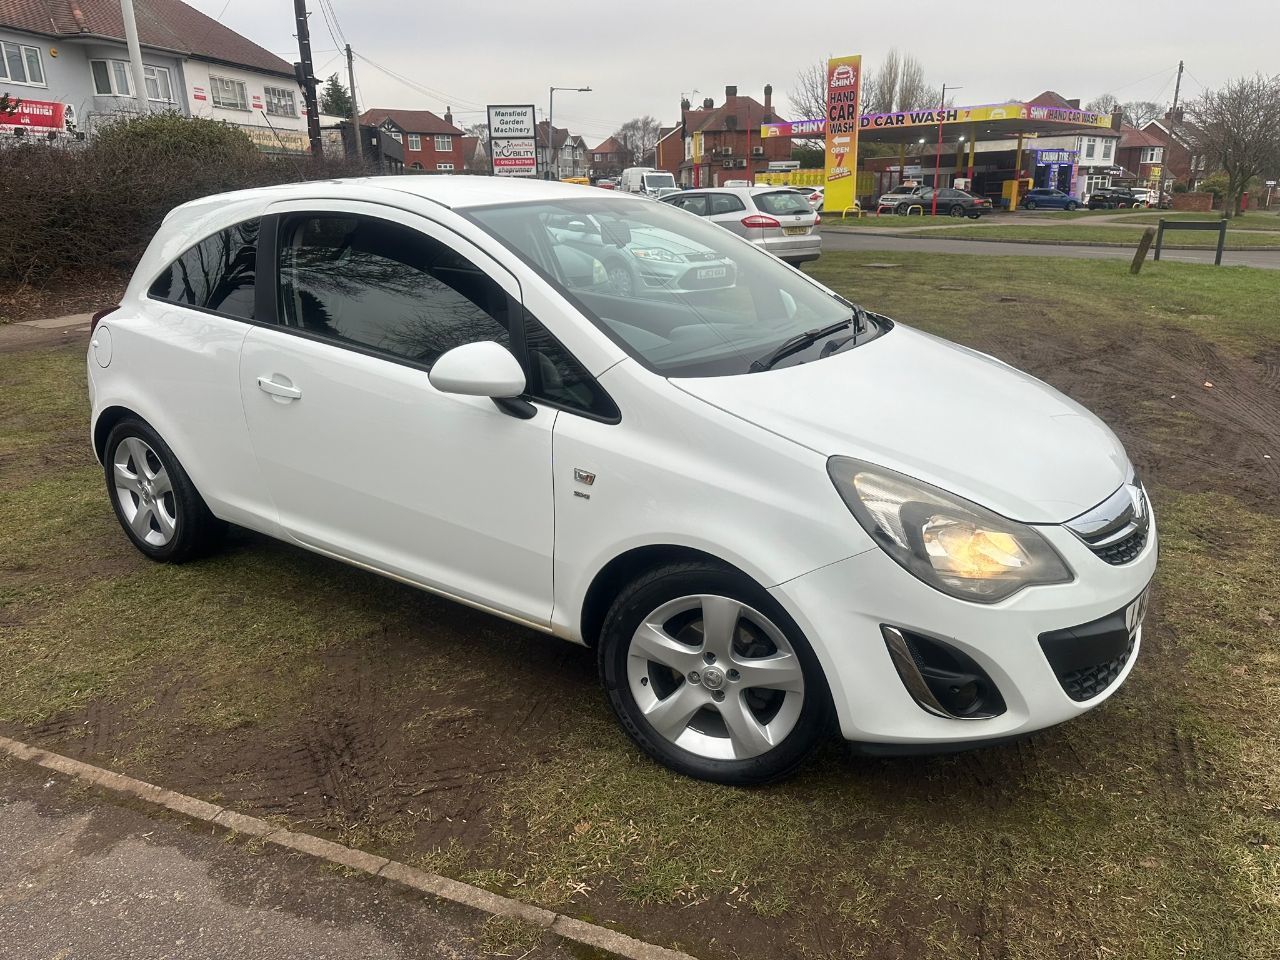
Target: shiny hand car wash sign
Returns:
[[844, 91]]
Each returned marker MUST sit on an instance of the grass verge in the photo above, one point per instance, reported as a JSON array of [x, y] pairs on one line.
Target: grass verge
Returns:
[[1104, 234]]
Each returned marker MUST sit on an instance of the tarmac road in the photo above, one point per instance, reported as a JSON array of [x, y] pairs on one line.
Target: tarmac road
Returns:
[[836, 239]]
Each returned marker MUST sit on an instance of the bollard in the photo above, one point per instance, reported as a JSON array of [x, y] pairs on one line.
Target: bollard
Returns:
[[1144, 245]]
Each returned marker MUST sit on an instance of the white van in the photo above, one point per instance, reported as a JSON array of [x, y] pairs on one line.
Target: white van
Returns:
[[648, 181]]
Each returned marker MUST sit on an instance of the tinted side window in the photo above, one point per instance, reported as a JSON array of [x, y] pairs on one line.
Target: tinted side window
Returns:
[[216, 274], [728, 203], [555, 376], [383, 286]]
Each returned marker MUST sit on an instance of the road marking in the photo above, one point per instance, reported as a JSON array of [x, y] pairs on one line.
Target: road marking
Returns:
[[443, 888]]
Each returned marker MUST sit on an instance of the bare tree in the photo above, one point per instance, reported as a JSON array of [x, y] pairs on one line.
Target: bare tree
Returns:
[[1103, 104], [639, 136], [809, 95], [1138, 113], [897, 84], [1238, 126]]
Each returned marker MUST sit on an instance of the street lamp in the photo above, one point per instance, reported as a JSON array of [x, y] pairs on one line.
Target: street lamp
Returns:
[[551, 126]]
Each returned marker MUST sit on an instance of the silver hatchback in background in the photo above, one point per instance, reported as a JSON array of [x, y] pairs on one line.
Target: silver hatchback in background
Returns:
[[776, 219]]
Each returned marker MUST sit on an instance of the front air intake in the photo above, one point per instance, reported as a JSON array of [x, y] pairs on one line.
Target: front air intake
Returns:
[[941, 679]]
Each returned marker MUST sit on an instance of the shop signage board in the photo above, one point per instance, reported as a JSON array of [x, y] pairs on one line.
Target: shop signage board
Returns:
[[36, 117], [1012, 110], [513, 147], [844, 95]]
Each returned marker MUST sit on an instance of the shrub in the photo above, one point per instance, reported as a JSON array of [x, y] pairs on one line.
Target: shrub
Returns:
[[92, 208]]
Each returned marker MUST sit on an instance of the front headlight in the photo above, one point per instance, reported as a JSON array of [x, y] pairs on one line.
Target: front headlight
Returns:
[[657, 253], [948, 542]]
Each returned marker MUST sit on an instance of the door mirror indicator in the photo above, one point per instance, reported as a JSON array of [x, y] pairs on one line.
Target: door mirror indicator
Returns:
[[484, 369]]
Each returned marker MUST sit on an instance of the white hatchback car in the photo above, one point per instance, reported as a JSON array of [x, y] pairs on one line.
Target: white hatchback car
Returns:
[[764, 506]]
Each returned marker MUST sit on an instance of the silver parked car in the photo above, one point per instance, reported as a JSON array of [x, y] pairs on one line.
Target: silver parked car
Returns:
[[777, 219]]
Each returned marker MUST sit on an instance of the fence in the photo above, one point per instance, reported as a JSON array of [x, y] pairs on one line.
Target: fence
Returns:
[[1219, 225]]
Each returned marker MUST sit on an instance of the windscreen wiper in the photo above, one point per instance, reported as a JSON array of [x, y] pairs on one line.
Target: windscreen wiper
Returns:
[[797, 343]]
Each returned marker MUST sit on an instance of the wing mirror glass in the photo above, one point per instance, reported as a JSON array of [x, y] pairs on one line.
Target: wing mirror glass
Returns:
[[484, 369]]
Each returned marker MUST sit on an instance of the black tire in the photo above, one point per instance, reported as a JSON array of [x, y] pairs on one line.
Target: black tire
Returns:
[[1030, 204], [1071, 205], [957, 211], [667, 583], [195, 531]]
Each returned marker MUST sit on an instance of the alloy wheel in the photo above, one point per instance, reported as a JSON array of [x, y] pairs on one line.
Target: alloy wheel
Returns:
[[716, 677], [144, 492], [620, 278]]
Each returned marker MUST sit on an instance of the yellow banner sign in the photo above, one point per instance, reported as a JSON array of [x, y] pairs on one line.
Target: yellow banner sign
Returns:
[[844, 94]]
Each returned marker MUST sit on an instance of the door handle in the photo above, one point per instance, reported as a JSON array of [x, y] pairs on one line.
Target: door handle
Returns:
[[288, 392]]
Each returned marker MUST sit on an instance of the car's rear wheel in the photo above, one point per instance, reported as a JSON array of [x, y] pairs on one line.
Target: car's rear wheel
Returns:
[[153, 498], [709, 676]]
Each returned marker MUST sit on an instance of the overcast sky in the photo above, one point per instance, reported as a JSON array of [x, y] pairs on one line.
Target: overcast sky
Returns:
[[640, 57]]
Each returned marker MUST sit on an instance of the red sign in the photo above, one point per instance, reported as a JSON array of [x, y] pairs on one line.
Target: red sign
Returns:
[[37, 115], [197, 93], [515, 162]]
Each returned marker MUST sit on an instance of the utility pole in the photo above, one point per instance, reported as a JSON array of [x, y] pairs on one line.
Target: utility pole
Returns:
[[1177, 88], [135, 54], [305, 72], [357, 143], [937, 157]]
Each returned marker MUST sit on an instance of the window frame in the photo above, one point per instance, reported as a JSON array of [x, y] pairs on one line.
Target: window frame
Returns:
[[266, 308], [213, 93], [446, 167], [448, 142], [288, 95], [24, 50], [415, 141]]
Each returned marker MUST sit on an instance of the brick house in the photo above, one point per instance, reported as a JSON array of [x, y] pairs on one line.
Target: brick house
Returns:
[[723, 143], [431, 143], [608, 159], [1184, 162], [668, 154], [1141, 155]]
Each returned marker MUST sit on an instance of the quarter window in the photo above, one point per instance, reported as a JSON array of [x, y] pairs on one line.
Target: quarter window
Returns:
[[20, 63], [557, 378], [727, 203], [415, 141], [444, 142], [381, 286], [217, 274], [228, 94], [280, 102]]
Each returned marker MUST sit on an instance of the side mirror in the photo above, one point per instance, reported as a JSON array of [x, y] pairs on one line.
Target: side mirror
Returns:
[[484, 369]]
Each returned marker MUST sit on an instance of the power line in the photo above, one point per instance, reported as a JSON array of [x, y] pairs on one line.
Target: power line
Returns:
[[442, 96]]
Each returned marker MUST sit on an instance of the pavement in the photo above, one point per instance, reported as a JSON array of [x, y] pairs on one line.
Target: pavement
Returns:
[[833, 238], [84, 874]]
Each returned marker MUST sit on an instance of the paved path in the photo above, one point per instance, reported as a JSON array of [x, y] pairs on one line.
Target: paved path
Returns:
[[83, 875], [835, 239]]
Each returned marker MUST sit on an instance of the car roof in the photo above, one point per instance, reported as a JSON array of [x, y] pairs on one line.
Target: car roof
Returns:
[[454, 192], [749, 191]]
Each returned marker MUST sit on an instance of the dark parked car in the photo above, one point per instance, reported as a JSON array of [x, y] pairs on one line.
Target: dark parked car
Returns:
[[1048, 199], [1108, 198], [951, 201]]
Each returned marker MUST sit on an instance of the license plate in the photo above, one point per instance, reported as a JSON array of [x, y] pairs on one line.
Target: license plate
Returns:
[[795, 231], [711, 273], [1137, 611]]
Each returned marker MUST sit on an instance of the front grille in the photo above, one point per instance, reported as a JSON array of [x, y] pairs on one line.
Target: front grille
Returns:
[[1124, 551], [1087, 682], [702, 257]]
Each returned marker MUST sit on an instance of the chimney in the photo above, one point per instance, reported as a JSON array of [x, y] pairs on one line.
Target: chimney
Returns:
[[448, 115], [684, 104], [1074, 104], [730, 92], [768, 98], [708, 103]]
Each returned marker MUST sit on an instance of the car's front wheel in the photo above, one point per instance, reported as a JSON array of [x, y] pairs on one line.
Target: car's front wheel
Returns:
[[620, 278], [957, 211], [153, 498], [1031, 204], [710, 676], [1071, 207]]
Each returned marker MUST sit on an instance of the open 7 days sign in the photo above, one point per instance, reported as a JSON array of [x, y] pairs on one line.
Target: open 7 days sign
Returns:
[[513, 149]]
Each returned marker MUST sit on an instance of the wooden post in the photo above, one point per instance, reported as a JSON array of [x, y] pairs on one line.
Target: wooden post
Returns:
[[1160, 238], [1144, 245], [1222, 241]]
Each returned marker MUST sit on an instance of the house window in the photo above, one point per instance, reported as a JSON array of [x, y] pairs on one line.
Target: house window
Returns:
[[111, 78], [21, 64], [280, 102], [1090, 147], [1152, 154], [444, 142], [415, 141], [398, 138], [444, 166], [1106, 149], [228, 94]]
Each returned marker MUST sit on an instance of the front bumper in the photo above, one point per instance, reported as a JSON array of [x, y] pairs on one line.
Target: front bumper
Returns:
[[843, 607]]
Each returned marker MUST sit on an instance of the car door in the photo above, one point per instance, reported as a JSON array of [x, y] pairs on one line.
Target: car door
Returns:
[[363, 457], [728, 210]]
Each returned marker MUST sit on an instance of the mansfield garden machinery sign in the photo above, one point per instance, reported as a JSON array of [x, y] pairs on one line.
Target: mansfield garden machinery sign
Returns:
[[513, 147]]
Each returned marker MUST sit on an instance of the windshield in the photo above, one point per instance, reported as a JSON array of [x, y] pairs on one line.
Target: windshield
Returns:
[[680, 294], [654, 180]]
